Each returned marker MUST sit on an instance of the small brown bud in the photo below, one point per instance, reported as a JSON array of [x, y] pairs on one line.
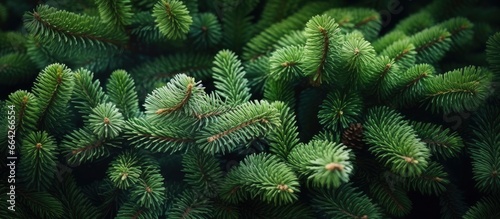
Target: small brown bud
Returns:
[[334, 166]]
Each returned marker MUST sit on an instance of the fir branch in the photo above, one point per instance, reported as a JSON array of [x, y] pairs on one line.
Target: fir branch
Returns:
[[275, 11], [263, 176], [62, 26], [323, 38], [143, 28], [460, 29], [16, 68], [75, 203], [38, 166], [119, 13], [403, 52], [54, 85], [237, 24], [345, 202], [209, 107], [225, 210], [330, 136], [40, 203], [410, 86], [382, 77], [458, 90], [261, 43], [443, 142], [286, 136], [356, 58], [324, 164], [124, 171], [384, 41], [121, 91], [415, 23], [285, 63], [159, 71], [432, 181], [191, 205], [484, 208], [202, 171], [192, 6], [449, 8], [106, 121], [484, 149], [165, 138], [431, 44], [175, 148], [280, 90], [132, 210], [172, 191], [452, 203], [176, 97], [26, 110], [197, 65], [340, 109], [205, 31], [172, 18], [257, 74], [343, 17], [394, 142], [250, 120], [90, 93], [111, 198], [367, 21], [228, 74], [493, 54], [150, 191], [12, 42], [45, 51], [393, 198], [294, 38], [82, 145]]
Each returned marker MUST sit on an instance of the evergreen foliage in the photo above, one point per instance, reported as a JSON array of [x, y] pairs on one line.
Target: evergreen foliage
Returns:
[[473, 85], [26, 107], [121, 91], [323, 38], [442, 142], [340, 109], [16, 68], [106, 121], [39, 150], [323, 163], [250, 109], [90, 93], [285, 137], [172, 18], [345, 202], [485, 142], [54, 85], [118, 13], [247, 180], [206, 31], [229, 78], [392, 198], [394, 142]]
